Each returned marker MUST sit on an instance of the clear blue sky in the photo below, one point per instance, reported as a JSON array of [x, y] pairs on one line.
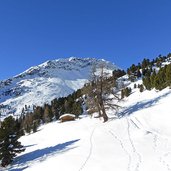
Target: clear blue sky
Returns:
[[122, 31]]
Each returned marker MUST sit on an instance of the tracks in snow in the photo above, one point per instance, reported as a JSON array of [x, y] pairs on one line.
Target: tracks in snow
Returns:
[[130, 148], [131, 153], [123, 147], [90, 151], [162, 157], [139, 158]]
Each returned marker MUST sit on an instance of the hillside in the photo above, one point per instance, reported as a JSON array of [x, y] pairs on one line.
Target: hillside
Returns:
[[43, 83], [139, 140]]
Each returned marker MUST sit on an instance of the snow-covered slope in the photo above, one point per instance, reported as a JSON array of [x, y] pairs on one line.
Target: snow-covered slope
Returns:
[[43, 83], [140, 140]]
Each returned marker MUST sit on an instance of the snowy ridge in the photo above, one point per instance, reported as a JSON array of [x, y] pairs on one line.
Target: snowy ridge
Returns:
[[43, 83]]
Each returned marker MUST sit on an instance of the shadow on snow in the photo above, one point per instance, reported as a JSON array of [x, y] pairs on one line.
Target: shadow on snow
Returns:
[[141, 105], [19, 169], [29, 145], [40, 155]]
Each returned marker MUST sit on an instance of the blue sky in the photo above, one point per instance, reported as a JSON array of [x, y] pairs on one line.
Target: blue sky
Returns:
[[121, 31]]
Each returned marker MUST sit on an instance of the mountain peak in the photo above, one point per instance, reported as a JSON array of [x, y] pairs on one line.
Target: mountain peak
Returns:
[[45, 82], [71, 63]]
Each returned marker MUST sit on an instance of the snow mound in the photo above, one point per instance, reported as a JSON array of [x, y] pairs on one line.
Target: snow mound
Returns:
[[67, 114]]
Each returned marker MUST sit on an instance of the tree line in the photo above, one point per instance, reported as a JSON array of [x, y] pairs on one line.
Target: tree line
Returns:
[[153, 73]]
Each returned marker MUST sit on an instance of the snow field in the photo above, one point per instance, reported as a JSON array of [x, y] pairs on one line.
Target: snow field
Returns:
[[140, 140]]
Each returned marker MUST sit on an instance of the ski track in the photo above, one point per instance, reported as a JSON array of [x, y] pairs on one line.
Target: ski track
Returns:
[[138, 121], [167, 165], [90, 151], [163, 161], [134, 124], [133, 147], [123, 147], [161, 157], [155, 140]]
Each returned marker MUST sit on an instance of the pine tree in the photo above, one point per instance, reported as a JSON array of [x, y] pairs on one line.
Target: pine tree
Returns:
[[122, 94], [147, 82], [127, 91], [152, 78], [38, 113], [48, 115], [169, 55], [168, 75], [133, 68], [35, 126], [77, 108], [160, 79], [9, 145], [145, 63], [138, 74], [141, 87], [118, 73], [27, 122]]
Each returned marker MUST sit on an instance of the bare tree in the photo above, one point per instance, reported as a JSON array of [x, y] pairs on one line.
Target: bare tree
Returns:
[[101, 91]]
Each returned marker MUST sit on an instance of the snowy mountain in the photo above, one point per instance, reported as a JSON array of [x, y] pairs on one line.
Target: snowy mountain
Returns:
[[43, 83], [139, 140]]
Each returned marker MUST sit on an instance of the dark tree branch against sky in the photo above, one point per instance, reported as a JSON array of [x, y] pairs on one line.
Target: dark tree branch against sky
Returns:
[[121, 31]]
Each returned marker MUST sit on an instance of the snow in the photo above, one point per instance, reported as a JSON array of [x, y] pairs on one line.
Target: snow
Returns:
[[139, 140], [66, 114]]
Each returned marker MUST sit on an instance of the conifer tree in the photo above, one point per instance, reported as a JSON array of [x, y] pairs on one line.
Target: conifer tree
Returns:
[[35, 126], [169, 55], [48, 115], [133, 68], [160, 79], [147, 82], [9, 144], [138, 74], [145, 63], [141, 87], [118, 73], [127, 91], [27, 122], [152, 78], [122, 94], [168, 75]]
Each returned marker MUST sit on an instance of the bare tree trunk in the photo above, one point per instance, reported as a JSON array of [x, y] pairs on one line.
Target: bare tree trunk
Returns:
[[105, 117], [96, 103], [99, 110]]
